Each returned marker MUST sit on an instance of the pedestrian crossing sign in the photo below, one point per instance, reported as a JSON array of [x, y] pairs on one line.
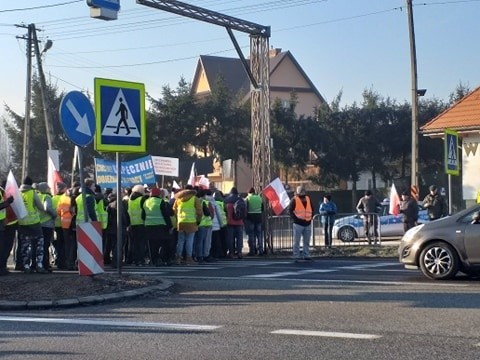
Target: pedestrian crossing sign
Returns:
[[120, 116], [452, 164]]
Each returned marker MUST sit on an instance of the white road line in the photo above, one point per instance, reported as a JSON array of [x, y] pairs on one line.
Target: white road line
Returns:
[[167, 326], [288, 273], [328, 281], [326, 334]]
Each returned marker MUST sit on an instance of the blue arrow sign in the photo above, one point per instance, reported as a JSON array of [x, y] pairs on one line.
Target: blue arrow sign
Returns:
[[105, 4], [77, 118]]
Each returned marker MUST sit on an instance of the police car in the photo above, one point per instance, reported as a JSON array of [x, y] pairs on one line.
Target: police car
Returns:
[[349, 228]]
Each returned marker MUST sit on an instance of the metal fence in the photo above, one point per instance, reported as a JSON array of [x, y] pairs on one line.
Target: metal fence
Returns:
[[280, 231]]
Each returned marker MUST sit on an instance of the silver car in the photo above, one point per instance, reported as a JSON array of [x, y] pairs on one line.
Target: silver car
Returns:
[[445, 246]]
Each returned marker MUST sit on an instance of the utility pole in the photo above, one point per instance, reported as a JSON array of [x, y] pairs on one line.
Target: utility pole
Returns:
[[28, 100], [414, 81], [43, 86]]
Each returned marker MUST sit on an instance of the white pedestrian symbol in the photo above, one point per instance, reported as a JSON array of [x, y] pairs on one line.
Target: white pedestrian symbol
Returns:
[[452, 153], [120, 121]]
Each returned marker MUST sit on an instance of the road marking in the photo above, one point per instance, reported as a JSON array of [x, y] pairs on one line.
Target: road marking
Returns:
[[288, 273], [167, 326], [327, 334], [329, 281], [366, 266]]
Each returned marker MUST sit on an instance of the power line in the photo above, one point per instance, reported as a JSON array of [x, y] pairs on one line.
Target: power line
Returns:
[[40, 7]]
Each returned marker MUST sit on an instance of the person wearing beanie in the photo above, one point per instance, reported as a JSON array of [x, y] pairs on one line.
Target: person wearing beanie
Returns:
[[136, 223], [30, 233], [368, 206], [435, 204], [6, 238], [253, 223], [301, 211], [188, 211], [158, 224], [409, 208], [59, 242]]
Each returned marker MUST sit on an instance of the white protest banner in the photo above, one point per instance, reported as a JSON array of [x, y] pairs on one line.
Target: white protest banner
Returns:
[[165, 166]]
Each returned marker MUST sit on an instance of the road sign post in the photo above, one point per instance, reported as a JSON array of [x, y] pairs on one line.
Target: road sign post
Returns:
[[452, 163]]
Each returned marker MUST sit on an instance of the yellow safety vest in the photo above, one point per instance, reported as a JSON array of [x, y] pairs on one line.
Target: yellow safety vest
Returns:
[[3, 212], [135, 211], [153, 214], [80, 212], [186, 211], [44, 216], [102, 215], [32, 213], [223, 214], [206, 220]]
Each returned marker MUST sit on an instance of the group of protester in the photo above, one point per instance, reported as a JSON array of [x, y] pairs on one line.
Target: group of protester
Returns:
[[194, 225]]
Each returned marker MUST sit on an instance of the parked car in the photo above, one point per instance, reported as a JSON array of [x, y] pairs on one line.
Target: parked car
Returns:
[[443, 247], [349, 228]]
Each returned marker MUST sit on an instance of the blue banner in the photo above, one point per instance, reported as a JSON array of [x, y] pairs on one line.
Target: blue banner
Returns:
[[139, 171]]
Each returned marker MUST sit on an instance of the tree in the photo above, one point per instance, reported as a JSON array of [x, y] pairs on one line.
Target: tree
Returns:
[[225, 127], [172, 122]]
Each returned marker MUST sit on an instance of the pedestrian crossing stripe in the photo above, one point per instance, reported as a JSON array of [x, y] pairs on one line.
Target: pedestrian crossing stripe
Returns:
[[120, 116]]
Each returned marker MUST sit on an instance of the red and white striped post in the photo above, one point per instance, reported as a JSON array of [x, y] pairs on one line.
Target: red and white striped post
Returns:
[[90, 253]]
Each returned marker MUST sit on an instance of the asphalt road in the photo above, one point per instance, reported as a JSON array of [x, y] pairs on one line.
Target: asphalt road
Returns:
[[264, 309]]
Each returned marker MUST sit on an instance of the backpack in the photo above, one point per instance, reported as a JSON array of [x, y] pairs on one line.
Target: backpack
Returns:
[[239, 209]]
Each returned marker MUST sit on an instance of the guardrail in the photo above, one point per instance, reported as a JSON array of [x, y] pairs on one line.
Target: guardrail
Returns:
[[349, 229]]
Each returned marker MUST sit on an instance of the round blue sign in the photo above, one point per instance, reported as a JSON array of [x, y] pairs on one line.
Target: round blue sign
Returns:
[[77, 118]]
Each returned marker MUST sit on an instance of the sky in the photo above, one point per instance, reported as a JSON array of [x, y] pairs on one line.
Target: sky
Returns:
[[342, 45]]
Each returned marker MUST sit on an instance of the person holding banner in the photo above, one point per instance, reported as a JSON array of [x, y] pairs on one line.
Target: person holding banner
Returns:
[[30, 230], [6, 243]]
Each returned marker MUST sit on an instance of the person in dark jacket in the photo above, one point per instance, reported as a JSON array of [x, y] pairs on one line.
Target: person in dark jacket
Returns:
[[6, 242], [368, 206], [435, 204], [110, 251], [234, 226], [409, 208]]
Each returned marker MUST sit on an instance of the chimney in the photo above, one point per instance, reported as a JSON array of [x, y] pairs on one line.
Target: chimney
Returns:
[[274, 52]]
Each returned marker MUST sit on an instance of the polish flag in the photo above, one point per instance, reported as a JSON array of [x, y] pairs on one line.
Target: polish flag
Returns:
[[53, 176], [394, 201], [191, 178], [203, 182], [18, 206], [277, 195]]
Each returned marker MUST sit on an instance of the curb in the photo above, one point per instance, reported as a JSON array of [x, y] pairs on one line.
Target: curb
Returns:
[[84, 300]]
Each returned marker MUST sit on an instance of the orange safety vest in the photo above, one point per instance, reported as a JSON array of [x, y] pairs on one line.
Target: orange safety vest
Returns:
[[64, 210], [303, 212]]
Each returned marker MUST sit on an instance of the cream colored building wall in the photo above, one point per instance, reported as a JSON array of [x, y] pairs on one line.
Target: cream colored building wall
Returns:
[[287, 75], [470, 166]]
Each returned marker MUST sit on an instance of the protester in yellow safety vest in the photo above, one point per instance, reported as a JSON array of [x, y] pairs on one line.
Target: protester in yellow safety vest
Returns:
[[47, 220], [6, 243], [30, 230], [62, 202], [137, 234], [157, 227], [90, 204], [253, 223], [203, 237], [301, 211], [478, 197], [188, 209]]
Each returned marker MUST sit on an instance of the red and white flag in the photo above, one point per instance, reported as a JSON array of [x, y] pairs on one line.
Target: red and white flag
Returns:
[[53, 176], [394, 201], [11, 189], [277, 196], [175, 185], [191, 178], [203, 182]]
